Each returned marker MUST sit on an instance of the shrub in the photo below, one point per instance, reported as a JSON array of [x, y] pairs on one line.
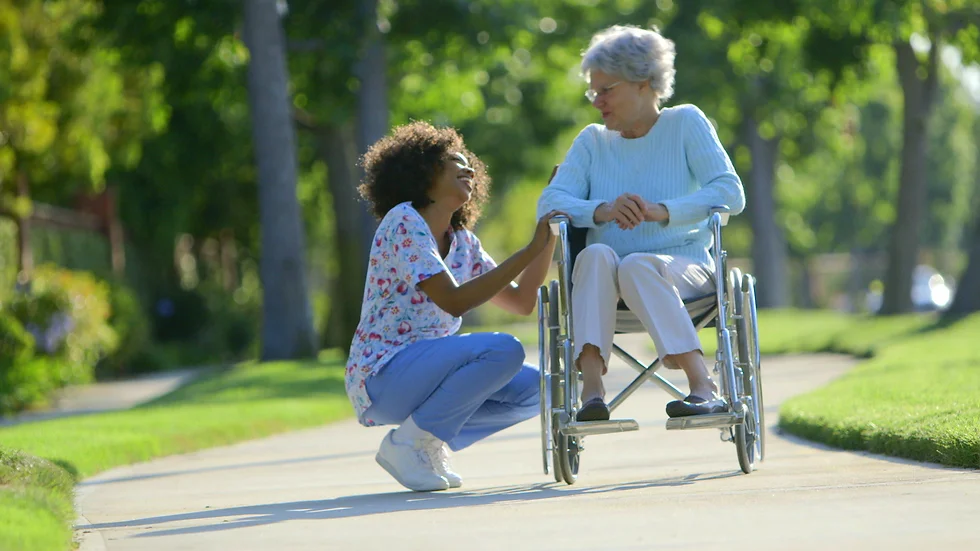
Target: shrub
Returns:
[[22, 383], [129, 321], [67, 313], [208, 323]]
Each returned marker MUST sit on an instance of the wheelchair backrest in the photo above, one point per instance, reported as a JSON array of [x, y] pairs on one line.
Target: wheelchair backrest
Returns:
[[576, 243]]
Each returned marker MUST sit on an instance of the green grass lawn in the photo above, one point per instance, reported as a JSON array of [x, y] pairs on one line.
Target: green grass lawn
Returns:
[[808, 331], [240, 403], [917, 394], [36, 509], [918, 397]]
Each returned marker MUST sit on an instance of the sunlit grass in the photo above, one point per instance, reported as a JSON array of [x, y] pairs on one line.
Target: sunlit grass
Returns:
[[918, 397], [240, 403]]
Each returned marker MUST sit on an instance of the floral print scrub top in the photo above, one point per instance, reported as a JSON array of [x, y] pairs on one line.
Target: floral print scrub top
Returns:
[[395, 313]]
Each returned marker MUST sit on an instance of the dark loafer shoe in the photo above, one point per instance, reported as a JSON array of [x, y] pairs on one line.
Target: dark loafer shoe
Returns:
[[695, 405], [593, 410]]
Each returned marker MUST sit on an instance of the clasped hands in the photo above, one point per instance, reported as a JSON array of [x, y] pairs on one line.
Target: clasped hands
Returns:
[[629, 210]]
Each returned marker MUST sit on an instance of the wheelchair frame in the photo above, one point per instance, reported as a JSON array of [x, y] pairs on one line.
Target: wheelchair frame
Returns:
[[731, 309]]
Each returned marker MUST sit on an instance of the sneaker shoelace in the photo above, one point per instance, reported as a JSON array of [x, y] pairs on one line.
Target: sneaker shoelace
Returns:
[[437, 455], [423, 454]]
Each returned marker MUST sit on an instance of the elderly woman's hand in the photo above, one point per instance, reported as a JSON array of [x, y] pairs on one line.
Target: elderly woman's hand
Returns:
[[627, 211], [652, 212]]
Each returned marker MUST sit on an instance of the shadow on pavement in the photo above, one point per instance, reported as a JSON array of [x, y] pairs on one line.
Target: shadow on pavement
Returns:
[[350, 455], [374, 504]]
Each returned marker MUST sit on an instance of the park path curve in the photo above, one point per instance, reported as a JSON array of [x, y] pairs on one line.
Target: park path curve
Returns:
[[652, 489]]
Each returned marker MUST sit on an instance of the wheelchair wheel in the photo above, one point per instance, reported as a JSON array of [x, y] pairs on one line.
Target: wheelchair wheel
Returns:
[[544, 361], [557, 390], [750, 435], [755, 362], [568, 447]]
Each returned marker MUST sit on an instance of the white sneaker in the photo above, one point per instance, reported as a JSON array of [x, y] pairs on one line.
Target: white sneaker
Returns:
[[439, 455], [410, 465]]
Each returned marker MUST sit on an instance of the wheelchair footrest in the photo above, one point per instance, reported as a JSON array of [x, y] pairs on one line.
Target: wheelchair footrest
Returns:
[[583, 428], [710, 421]]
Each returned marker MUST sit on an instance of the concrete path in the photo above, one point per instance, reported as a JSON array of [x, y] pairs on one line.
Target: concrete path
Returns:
[[108, 396], [652, 489]]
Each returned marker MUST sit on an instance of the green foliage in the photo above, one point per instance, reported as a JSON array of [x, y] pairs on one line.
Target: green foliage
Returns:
[[72, 249], [232, 333], [198, 176], [70, 110], [206, 324], [23, 381], [952, 165], [67, 313], [131, 325], [8, 256], [16, 344], [150, 96], [29, 383]]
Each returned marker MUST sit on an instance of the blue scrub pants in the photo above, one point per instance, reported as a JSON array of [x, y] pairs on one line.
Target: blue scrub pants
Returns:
[[460, 388]]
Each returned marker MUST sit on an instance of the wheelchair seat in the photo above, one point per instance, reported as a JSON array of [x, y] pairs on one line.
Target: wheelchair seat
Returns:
[[699, 308]]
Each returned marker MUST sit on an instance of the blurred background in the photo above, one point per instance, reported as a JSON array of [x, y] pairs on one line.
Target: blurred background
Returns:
[[177, 177]]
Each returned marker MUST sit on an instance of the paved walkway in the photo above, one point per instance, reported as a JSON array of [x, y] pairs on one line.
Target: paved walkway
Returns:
[[320, 489], [107, 396]]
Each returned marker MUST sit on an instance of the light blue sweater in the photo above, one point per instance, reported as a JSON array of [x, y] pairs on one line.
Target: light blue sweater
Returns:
[[680, 162]]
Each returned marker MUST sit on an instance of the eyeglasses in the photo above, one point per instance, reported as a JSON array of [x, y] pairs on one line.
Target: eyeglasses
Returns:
[[591, 94]]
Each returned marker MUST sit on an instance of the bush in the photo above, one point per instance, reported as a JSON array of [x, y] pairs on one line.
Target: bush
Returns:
[[234, 324], [16, 344], [67, 313], [8, 254], [22, 381], [129, 321], [208, 323]]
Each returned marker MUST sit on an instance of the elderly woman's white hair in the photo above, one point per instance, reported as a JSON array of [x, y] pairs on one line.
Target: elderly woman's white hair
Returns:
[[635, 54]]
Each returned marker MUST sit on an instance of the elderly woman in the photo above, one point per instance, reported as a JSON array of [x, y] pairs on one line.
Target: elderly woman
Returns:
[[642, 183]]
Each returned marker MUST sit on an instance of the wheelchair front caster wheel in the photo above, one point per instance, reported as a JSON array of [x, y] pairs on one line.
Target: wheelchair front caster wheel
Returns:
[[568, 449]]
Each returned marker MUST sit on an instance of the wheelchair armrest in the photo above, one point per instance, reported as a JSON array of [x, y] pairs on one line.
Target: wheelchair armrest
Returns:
[[723, 212]]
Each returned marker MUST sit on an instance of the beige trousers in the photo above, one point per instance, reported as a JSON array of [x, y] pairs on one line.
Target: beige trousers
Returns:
[[653, 286]]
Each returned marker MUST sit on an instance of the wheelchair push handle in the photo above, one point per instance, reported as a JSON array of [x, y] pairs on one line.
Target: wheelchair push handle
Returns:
[[557, 221]]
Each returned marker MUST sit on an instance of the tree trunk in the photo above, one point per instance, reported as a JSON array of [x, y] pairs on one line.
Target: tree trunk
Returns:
[[340, 154], [342, 147], [967, 298], [287, 317], [769, 254], [903, 247], [372, 97], [372, 109]]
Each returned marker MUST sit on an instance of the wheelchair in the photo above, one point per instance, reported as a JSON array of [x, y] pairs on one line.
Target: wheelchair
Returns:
[[730, 309]]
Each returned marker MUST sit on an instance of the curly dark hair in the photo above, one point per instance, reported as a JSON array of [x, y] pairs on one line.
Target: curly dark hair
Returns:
[[403, 166]]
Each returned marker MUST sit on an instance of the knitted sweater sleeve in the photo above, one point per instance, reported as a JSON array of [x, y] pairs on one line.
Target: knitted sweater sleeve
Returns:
[[569, 191], [712, 169]]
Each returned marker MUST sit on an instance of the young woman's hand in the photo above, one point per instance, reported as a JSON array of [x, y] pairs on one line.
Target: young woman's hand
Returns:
[[542, 233]]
